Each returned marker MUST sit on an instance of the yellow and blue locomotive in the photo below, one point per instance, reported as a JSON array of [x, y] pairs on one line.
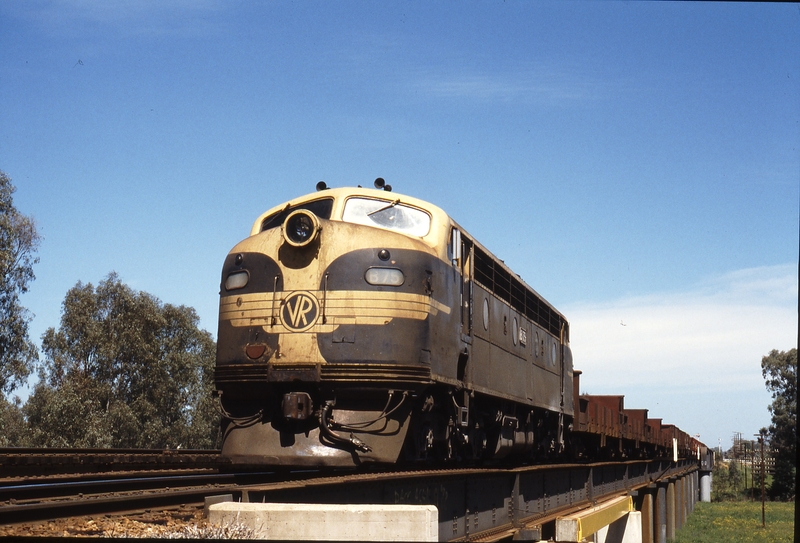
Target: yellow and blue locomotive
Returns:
[[359, 325]]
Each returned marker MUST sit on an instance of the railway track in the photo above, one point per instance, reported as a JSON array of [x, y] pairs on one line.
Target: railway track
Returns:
[[40, 484], [475, 503], [24, 503], [37, 462]]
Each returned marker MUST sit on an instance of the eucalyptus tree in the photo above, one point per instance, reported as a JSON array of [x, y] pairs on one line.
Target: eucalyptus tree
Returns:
[[124, 370], [13, 429], [779, 369], [19, 242]]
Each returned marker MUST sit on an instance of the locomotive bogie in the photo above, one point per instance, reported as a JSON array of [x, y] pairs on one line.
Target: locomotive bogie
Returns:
[[381, 433]]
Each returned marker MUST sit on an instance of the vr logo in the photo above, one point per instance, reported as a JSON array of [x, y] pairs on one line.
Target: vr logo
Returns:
[[300, 311]]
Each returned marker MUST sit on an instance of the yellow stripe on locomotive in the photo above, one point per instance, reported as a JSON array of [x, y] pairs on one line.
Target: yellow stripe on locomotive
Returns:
[[292, 312]]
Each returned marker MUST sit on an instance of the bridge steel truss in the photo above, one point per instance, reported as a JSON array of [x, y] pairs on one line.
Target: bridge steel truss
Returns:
[[523, 502]]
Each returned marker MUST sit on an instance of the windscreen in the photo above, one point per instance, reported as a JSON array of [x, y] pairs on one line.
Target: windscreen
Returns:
[[391, 215]]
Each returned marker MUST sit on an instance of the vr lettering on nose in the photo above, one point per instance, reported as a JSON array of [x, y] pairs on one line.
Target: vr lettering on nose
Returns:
[[300, 311]]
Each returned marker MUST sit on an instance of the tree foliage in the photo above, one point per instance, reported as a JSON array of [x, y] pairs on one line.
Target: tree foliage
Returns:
[[13, 430], [124, 370], [19, 241], [728, 481], [780, 373]]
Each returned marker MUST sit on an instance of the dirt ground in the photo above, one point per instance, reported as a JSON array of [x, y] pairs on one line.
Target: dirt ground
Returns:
[[186, 522]]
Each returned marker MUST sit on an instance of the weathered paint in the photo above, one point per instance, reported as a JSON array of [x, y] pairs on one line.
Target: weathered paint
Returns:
[[308, 321]]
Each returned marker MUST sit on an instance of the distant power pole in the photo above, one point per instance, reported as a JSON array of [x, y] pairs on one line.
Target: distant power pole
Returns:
[[761, 437], [752, 470]]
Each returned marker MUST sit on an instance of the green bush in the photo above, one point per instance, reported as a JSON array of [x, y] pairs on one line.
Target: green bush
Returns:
[[728, 482]]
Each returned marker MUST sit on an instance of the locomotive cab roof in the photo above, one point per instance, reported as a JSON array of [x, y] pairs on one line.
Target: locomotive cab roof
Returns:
[[434, 231]]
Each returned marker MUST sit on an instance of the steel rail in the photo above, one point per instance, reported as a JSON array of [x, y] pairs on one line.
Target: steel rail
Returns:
[[35, 502], [31, 480], [21, 493], [90, 505], [23, 462], [17, 451]]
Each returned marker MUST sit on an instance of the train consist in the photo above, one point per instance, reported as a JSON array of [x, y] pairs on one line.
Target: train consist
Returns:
[[362, 326]]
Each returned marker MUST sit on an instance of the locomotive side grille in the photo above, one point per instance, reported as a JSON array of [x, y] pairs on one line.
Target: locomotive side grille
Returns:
[[494, 277], [236, 373], [375, 372], [397, 374]]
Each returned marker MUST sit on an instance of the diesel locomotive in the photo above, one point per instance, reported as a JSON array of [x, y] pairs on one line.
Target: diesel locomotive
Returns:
[[359, 325]]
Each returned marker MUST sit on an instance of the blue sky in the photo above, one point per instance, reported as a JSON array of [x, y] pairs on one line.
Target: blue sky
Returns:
[[638, 164]]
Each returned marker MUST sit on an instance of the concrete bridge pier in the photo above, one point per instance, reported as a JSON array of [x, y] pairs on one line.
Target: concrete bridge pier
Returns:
[[680, 503], [647, 506], [670, 505], [660, 513], [705, 486]]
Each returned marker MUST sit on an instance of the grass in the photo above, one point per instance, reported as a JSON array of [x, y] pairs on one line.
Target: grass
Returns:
[[738, 522]]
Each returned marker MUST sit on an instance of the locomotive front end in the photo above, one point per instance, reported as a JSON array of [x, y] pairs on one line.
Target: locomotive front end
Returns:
[[323, 338]]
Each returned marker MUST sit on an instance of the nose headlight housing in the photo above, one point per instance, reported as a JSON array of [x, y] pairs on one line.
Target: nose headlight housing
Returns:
[[300, 228], [237, 280]]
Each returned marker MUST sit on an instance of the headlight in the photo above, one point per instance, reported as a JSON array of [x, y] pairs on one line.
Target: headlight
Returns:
[[390, 277], [236, 280], [300, 228]]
